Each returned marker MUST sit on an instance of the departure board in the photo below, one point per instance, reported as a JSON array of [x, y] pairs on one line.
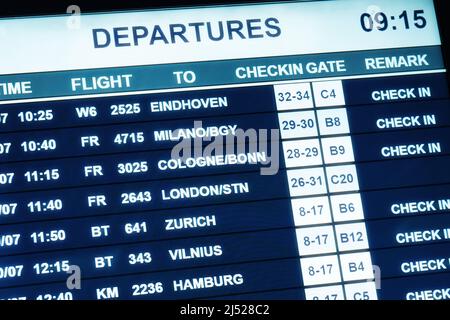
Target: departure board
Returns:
[[287, 150]]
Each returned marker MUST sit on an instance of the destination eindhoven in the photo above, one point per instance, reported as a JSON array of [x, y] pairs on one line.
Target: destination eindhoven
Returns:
[[189, 104]]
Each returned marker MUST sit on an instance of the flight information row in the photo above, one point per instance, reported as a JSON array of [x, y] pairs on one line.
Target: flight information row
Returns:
[[156, 165], [57, 175], [291, 125], [113, 236], [141, 196], [235, 281], [219, 102], [99, 231]]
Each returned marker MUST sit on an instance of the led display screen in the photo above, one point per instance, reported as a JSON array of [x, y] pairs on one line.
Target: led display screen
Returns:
[[294, 150]]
